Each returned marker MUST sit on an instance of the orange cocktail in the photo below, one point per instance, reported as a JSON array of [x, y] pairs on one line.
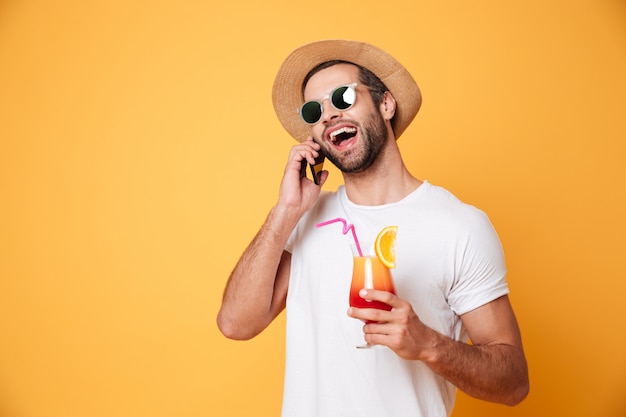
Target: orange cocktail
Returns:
[[371, 265], [370, 273]]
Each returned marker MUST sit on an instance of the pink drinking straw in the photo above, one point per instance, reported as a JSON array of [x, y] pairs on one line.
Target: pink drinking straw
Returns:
[[346, 229]]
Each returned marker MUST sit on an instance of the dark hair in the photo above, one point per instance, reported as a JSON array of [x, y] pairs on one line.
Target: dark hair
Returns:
[[375, 86]]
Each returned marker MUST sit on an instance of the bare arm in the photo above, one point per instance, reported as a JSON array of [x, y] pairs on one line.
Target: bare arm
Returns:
[[493, 368], [257, 288]]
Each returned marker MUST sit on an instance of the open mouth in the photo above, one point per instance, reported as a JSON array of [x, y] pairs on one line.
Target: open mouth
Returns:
[[336, 137]]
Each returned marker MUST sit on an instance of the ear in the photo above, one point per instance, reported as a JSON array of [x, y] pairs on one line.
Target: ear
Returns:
[[388, 106]]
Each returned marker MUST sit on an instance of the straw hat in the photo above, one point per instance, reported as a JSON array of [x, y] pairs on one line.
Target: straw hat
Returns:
[[287, 90]]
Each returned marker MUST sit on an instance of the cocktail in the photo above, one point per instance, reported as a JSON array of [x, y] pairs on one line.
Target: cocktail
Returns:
[[371, 266], [369, 272]]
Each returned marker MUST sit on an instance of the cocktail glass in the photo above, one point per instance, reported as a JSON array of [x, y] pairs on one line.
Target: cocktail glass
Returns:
[[368, 272]]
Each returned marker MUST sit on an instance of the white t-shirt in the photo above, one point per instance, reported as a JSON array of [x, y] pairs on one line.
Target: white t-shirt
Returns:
[[449, 262]]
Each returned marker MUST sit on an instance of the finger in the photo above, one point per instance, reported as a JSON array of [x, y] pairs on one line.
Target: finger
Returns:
[[379, 339], [382, 296], [362, 314], [303, 168], [376, 327], [311, 141], [315, 148], [370, 314], [322, 177], [304, 152]]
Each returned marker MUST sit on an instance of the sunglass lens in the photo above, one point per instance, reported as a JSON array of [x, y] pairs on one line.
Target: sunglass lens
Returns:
[[311, 112], [343, 97]]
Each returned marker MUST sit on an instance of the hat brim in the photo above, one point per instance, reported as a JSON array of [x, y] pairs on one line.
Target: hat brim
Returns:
[[287, 89]]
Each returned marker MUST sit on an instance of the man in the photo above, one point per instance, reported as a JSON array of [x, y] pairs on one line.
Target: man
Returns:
[[450, 275]]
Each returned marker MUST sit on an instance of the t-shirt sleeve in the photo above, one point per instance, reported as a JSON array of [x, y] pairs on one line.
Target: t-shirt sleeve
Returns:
[[290, 242], [481, 271]]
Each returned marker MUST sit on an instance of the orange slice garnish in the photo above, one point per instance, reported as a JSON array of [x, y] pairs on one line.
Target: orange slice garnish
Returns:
[[385, 244]]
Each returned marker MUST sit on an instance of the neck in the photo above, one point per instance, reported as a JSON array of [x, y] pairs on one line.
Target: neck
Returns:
[[385, 182]]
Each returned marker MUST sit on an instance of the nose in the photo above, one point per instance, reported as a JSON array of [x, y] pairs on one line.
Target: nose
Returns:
[[329, 112]]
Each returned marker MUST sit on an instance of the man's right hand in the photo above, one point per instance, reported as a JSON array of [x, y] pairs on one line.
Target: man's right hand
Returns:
[[297, 192]]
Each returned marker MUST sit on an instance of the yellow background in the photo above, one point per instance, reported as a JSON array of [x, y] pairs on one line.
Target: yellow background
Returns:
[[139, 154]]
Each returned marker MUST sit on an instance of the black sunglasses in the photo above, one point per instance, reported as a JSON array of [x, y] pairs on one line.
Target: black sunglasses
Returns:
[[341, 98]]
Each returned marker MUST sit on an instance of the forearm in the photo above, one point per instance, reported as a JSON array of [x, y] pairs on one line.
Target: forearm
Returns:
[[492, 372], [255, 291]]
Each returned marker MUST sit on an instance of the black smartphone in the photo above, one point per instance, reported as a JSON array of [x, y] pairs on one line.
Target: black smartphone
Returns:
[[315, 168]]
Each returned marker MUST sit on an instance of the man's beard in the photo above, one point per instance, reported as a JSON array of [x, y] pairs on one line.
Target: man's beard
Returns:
[[373, 135]]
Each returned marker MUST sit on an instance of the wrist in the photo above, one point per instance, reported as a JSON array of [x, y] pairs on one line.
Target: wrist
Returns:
[[434, 349], [283, 218]]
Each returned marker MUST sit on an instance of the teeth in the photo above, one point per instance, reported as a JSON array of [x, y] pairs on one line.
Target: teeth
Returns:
[[333, 135]]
